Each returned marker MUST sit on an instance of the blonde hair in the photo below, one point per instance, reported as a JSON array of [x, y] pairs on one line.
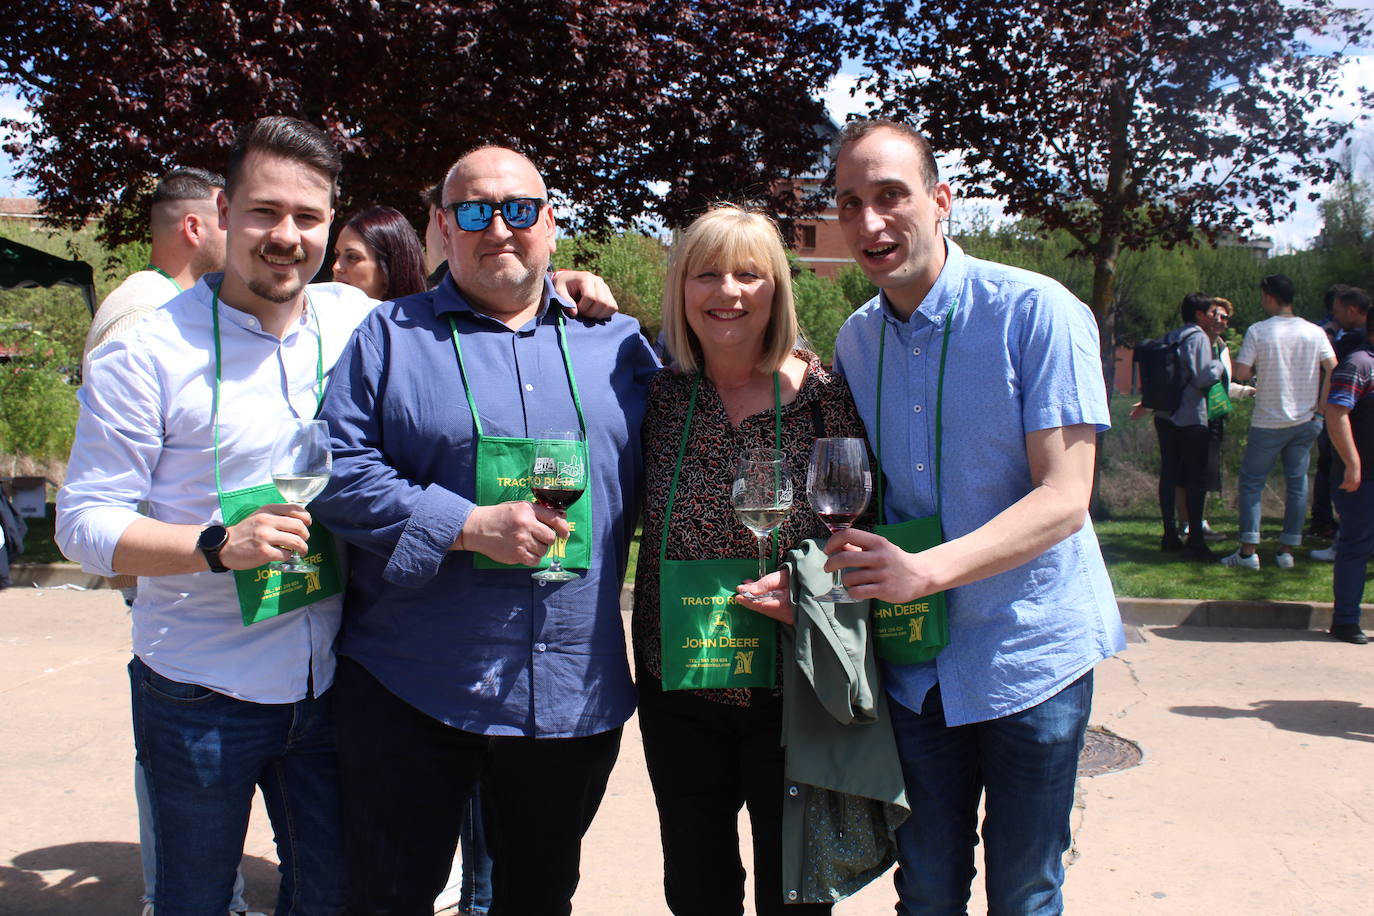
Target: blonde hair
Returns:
[[1224, 303], [727, 237]]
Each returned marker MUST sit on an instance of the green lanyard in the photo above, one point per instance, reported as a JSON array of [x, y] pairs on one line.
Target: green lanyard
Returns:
[[156, 269], [567, 363], [219, 364], [939, 408], [682, 453]]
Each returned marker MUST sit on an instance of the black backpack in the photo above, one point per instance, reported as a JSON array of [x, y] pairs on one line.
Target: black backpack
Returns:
[[1164, 372]]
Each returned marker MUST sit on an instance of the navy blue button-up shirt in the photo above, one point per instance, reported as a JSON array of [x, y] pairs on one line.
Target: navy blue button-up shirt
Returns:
[[486, 651]]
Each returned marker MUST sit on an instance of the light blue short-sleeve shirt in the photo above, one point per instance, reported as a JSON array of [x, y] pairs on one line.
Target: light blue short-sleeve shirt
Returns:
[[1023, 356]]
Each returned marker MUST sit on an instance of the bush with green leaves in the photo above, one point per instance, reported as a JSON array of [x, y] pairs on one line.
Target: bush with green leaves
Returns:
[[38, 416]]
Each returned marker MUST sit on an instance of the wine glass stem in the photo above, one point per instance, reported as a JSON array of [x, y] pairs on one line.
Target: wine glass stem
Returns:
[[763, 556], [839, 581]]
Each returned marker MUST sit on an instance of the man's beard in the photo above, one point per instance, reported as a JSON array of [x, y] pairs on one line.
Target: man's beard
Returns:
[[285, 288]]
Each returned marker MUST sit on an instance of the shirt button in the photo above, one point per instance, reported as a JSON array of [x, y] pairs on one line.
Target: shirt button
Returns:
[[540, 647], [916, 352], [792, 791], [529, 387], [920, 467], [916, 407], [792, 895]]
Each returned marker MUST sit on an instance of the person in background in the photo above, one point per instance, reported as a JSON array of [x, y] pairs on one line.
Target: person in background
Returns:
[[1348, 311], [378, 252], [1349, 413], [1291, 360], [187, 241], [1218, 321]]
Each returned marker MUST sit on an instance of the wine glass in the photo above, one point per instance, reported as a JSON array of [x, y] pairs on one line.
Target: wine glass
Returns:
[[762, 496], [301, 464], [838, 484], [557, 479]]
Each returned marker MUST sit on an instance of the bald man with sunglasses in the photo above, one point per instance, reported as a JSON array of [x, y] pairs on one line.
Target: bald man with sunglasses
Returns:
[[456, 665]]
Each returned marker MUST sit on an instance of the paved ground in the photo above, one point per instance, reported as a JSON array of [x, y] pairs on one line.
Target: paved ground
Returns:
[[1251, 798]]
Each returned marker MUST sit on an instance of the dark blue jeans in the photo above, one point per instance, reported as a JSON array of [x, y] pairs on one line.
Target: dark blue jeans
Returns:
[[1026, 763], [1354, 545], [474, 896], [203, 754]]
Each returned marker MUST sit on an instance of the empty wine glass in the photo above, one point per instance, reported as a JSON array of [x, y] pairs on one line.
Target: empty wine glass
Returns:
[[838, 484], [301, 464]]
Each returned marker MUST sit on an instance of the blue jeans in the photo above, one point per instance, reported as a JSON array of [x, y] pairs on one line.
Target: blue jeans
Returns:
[[1027, 764], [475, 895], [1293, 445], [203, 753], [147, 847], [1354, 545]]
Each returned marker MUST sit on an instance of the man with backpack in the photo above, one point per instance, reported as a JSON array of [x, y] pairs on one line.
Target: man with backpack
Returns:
[[1190, 368], [1291, 360]]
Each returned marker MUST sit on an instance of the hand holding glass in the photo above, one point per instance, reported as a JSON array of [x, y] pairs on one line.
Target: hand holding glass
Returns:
[[301, 464], [838, 484], [762, 498], [557, 480]]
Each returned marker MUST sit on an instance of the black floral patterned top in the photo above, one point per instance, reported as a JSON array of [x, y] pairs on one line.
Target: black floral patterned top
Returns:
[[704, 526]]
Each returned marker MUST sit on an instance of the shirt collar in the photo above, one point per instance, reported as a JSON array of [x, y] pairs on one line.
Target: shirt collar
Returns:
[[248, 322], [941, 296], [448, 298]]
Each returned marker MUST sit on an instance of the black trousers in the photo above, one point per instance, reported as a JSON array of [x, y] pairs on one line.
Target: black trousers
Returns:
[[1323, 513], [705, 761], [406, 777], [1182, 463]]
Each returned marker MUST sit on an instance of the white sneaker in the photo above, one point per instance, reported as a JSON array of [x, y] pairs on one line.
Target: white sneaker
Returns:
[[1235, 559], [1284, 560], [1325, 555]]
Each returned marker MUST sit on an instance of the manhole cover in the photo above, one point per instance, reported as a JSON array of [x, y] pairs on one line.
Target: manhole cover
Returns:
[[1104, 752]]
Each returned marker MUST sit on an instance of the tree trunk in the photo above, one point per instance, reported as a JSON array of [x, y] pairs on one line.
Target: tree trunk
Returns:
[[1105, 254]]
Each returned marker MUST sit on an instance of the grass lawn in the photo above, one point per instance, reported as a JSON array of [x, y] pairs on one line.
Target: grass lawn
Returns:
[[1139, 569]]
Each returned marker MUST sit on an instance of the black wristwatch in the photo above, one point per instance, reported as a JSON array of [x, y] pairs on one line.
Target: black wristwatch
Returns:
[[209, 544]]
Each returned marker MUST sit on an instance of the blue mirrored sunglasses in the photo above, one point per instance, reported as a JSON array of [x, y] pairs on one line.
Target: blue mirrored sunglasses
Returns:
[[476, 215]]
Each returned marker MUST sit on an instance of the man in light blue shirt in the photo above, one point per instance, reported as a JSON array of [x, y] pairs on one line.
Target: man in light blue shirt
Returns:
[[1002, 710], [176, 413]]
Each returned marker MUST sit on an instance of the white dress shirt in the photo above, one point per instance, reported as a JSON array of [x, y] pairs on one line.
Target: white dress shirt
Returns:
[[145, 433]]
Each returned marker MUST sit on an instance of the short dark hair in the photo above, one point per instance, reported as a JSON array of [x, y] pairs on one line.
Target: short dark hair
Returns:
[[186, 184], [288, 138], [1355, 297], [433, 196], [391, 237], [859, 128], [1192, 304], [1280, 287], [1332, 291]]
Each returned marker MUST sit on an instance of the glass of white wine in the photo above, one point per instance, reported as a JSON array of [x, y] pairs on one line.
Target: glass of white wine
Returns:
[[301, 464], [762, 497]]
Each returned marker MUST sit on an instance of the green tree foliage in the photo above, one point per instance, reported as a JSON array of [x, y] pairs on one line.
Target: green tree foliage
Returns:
[[821, 308], [40, 409], [854, 283], [633, 265], [1122, 123], [635, 109]]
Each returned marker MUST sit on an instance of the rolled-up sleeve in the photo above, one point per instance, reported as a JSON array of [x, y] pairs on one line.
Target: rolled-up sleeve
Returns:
[[368, 503], [117, 446]]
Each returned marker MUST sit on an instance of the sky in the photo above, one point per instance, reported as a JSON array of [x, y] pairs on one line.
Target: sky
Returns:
[[1297, 231]]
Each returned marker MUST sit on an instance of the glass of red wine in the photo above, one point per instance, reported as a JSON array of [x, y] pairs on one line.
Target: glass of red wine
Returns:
[[837, 485], [557, 480]]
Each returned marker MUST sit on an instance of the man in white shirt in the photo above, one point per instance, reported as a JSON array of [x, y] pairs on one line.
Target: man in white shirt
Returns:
[[187, 242], [182, 412], [1291, 360]]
